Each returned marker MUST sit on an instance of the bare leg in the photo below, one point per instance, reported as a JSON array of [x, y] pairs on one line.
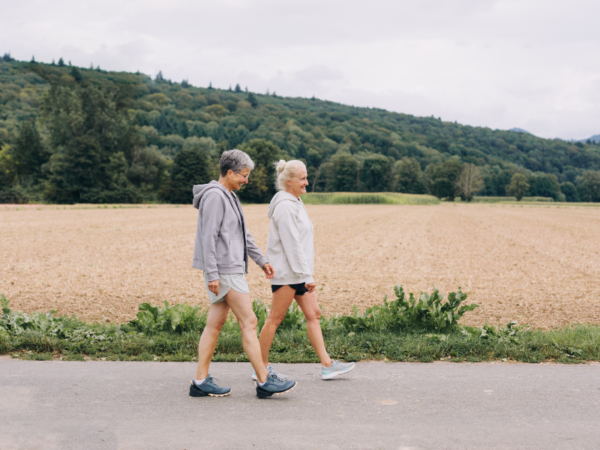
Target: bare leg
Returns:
[[282, 299], [312, 312], [241, 305], [217, 315]]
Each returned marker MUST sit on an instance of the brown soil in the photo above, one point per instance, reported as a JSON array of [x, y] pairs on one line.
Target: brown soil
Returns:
[[536, 265]]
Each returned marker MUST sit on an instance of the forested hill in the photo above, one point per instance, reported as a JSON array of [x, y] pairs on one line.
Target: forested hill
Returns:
[[85, 135]]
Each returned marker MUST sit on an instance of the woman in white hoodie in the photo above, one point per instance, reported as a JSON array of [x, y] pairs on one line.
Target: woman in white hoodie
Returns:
[[290, 251]]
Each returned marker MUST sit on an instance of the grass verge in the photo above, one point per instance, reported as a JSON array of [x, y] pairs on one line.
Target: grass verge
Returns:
[[405, 329]]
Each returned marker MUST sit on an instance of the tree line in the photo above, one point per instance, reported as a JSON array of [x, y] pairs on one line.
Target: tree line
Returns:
[[73, 135]]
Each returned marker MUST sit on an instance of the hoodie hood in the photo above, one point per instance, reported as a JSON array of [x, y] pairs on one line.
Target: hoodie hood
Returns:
[[281, 196], [201, 189]]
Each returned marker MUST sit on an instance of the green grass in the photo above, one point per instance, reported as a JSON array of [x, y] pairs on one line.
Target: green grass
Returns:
[[365, 198], [409, 328], [477, 199], [569, 345]]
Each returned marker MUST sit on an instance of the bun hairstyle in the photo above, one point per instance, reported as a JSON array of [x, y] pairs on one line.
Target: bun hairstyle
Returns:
[[286, 171], [280, 166]]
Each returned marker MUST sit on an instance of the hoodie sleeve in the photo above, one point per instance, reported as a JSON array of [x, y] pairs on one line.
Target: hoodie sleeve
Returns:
[[254, 252], [286, 221], [212, 217]]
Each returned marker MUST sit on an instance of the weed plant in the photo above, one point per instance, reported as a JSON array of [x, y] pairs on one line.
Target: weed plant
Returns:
[[405, 329]]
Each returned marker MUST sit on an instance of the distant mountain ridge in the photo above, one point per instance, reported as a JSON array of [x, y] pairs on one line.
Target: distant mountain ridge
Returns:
[[519, 130], [595, 138]]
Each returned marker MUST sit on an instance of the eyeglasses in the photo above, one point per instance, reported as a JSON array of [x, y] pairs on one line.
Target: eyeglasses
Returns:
[[245, 176]]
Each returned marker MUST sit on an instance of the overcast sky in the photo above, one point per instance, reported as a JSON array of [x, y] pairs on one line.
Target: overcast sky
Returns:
[[532, 64]]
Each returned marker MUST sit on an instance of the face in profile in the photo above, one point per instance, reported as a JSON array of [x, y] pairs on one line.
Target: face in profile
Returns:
[[299, 182], [238, 179]]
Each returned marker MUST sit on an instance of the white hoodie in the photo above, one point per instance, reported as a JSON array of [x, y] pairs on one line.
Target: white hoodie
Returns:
[[290, 243]]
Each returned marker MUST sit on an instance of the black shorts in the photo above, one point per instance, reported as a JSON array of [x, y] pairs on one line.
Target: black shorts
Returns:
[[300, 287]]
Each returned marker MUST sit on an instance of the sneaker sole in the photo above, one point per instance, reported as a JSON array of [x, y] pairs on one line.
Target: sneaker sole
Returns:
[[333, 375], [269, 394], [195, 392]]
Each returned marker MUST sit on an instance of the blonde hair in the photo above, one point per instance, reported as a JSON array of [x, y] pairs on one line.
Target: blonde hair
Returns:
[[286, 171]]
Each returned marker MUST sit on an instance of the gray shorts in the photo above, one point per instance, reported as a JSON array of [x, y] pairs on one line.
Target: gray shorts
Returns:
[[235, 281]]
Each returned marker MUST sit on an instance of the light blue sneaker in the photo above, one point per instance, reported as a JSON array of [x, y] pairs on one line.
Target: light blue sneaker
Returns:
[[273, 371], [274, 386], [336, 369], [208, 388]]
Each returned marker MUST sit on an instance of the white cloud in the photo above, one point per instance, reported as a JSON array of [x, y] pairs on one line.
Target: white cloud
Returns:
[[498, 63]]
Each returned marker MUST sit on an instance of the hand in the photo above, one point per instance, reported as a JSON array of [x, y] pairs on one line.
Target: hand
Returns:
[[311, 287], [268, 270], [213, 286]]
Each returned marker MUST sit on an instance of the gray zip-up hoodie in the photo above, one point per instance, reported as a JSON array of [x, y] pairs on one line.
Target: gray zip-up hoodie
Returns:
[[223, 242], [290, 247]]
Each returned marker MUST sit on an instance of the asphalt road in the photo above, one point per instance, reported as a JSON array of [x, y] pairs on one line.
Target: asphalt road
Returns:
[[137, 405]]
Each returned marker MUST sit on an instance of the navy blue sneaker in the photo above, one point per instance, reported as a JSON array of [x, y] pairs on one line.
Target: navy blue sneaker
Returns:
[[208, 388], [274, 386]]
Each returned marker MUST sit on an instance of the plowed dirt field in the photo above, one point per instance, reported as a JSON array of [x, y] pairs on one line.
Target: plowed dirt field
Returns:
[[534, 264]]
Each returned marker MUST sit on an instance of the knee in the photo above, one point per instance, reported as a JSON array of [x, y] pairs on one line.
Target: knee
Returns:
[[314, 315], [249, 324], [216, 325], [276, 319], [219, 325]]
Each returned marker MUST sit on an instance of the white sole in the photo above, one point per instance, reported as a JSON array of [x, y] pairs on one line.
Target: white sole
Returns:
[[213, 395], [280, 393], [336, 374]]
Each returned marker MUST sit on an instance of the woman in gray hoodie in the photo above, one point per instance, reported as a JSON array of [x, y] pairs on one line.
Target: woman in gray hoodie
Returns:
[[223, 244], [291, 251]]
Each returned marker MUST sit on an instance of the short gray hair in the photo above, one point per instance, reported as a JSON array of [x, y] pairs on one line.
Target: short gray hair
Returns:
[[236, 161]]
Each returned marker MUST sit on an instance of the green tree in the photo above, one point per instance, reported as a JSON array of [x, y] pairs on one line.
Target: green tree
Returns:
[[10, 192], [190, 167], [88, 125], [443, 178], [570, 191], [409, 177], [29, 153], [148, 168], [252, 99], [518, 186], [376, 174], [8, 169], [261, 184], [313, 158], [544, 185], [343, 173], [590, 185], [238, 136], [469, 182], [318, 178]]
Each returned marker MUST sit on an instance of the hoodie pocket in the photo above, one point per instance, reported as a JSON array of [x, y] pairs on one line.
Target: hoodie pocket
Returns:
[[236, 252]]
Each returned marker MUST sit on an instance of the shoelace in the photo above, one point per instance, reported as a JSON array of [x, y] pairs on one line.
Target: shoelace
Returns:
[[277, 377], [210, 379]]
